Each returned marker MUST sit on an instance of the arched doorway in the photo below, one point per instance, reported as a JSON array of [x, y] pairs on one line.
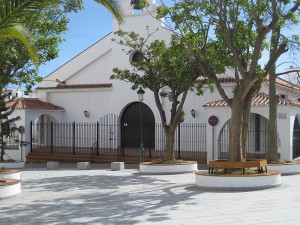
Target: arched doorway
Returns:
[[130, 126], [41, 129], [296, 139], [256, 146]]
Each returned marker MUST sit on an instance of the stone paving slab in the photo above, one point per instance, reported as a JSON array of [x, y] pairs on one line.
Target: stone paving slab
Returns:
[[102, 196]]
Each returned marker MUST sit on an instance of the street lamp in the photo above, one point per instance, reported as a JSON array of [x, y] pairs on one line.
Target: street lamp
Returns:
[[141, 93], [193, 113]]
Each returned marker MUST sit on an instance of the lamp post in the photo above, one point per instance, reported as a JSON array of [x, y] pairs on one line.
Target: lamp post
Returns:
[[141, 93]]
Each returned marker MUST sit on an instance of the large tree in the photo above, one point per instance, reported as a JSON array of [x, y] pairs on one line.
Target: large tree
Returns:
[[293, 41], [30, 32], [167, 71], [43, 23], [7, 107], [235, 30], [12, 13], [46, 25]]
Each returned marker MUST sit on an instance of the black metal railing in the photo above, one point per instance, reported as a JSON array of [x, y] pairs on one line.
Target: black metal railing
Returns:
[[256, 146], [12, 140], [62, 136], [190, 140], [104, 137]]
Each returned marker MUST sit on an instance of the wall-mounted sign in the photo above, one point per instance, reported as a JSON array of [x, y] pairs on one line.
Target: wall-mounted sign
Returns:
[[213, 120], [282, 116], [21, 129]]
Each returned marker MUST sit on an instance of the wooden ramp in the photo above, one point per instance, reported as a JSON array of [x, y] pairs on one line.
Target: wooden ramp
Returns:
[[40, 156]]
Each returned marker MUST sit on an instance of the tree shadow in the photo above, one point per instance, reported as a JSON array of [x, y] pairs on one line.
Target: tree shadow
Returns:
[[97, 199]]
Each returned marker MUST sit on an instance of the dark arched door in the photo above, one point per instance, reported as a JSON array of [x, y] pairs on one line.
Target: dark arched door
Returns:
[[296, 139], [256, 146], [130, 126]]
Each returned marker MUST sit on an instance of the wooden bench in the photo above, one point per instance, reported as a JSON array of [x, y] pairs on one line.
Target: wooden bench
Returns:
[[225, 164]]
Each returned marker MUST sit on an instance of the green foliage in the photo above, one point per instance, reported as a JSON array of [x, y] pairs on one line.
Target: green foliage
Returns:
[[168, 71], [46, 24], [163, 161], [285, 161], [14, 22], [250, 171], [235, 33], [163, 66], [114, 8], [45, 21], [2, 168], [141, 4], [7, 106], [237, 28]]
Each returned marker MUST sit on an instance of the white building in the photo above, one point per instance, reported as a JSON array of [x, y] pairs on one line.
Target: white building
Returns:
[[81, 91]]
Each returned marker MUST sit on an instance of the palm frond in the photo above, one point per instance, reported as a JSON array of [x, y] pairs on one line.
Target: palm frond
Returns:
[[22, 34], [114, 7]]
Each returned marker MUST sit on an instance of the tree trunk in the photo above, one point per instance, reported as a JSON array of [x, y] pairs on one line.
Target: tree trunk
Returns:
[[235, 131], [2, 156], [170, 140], [1, 128], [272, 155], [239, 125], [245, 125]]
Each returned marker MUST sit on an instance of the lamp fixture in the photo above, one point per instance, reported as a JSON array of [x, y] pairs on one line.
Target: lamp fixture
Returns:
[[86, 114], [193, 113], [141, 93]]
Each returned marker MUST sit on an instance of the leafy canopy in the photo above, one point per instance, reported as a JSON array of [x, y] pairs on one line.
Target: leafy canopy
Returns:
[[46, 25], [162, 65]]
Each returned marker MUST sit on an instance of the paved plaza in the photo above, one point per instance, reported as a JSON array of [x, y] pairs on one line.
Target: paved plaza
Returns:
[[102, 196]]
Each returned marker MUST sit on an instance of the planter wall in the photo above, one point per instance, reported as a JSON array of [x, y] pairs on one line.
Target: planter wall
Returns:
[[10, 174], [149, 168], [207, 181], [9, 188], [12, 165], [286, 169]]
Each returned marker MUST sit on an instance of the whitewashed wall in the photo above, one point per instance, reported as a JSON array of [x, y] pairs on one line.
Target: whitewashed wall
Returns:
[[95, 65]]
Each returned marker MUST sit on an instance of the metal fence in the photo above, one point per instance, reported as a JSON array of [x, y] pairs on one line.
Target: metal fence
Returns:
[[63, 136], [296, 139], [190, 140], [256, 146], [12, 140], [104, 137]]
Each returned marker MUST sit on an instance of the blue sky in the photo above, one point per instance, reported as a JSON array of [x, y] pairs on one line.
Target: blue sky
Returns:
[[85, 28], [88, 26]]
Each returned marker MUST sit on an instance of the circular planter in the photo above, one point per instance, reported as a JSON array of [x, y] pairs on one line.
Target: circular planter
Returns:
[[286, 168], [233, 182], [149, 168], [12, 165], [10, 174], [9, 187]]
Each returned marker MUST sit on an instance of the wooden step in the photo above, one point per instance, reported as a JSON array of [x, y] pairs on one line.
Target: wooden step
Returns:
[[102, 158]]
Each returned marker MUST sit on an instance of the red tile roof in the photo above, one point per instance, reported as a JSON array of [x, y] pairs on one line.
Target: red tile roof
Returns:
[[221, 79], [33, 103], [260, 99], [227, 80], [279, 81], [77, 86], [285, 83]]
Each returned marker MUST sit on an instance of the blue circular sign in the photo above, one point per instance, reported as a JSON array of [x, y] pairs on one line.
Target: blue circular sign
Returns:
[[21, 129], [213, 120]]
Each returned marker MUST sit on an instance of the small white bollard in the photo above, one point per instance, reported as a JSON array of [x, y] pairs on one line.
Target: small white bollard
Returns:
[[83, 165], [54, 165], [117, 166]]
